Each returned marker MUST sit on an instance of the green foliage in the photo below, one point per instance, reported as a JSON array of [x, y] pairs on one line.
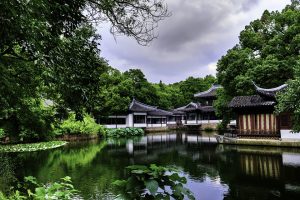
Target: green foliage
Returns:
[[30, 121], [73, 127], [123, 132], [221, 108], [153, 182], [2, 133], [289, 100], [118, 89], [178, 94], [267, 53], [32, 190], [192, 85], [50, 50], [32, 147]]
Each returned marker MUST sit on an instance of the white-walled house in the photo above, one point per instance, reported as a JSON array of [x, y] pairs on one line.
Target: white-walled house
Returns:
[[139, 115]]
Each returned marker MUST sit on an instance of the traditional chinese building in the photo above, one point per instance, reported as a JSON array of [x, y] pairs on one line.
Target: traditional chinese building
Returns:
[[139, 115], [256, 117], [201, 112]]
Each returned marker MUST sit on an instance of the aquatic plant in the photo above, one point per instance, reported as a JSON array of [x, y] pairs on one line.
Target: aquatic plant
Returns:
[[32, 190], [32, 147], [124, 132], [153, 182]]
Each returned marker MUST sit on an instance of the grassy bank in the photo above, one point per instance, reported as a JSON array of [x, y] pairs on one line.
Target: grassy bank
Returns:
[[32, 147]]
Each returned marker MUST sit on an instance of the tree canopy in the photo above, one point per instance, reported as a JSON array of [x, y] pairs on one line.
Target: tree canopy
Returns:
[[50, 50]]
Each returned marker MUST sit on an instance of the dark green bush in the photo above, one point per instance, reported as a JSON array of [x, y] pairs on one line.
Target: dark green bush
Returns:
[[124, 132]]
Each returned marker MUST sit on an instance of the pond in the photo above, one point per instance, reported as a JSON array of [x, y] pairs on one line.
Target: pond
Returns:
[[213, 171]]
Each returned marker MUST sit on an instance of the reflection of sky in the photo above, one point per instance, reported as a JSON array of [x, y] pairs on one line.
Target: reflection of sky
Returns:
[[292, 159], [208, 188]]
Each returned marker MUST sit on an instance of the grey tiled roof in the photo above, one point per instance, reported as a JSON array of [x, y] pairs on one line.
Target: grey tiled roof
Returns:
[[160, 112], [189, 107], [137, 106], [250, 101], [207, 109], [193, 107], [211, 92]]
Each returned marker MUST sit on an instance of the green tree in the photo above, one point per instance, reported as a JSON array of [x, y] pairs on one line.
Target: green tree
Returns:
[[48, 49], [267, 53], [289, 100], [192, 85]]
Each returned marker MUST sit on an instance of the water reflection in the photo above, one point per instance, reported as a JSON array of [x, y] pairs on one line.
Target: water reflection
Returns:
[[213, 171]]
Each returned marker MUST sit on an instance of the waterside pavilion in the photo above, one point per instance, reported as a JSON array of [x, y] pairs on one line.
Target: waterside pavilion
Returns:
[[201, 112], [139, 115], [256, 117]]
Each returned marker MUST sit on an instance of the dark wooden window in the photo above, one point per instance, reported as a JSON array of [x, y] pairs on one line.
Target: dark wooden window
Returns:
[[139, 119], [171, 119], [191, 116], [285, 121]]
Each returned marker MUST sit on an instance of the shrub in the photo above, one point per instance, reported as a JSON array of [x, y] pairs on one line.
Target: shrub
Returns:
[[153, 182], [86, 126], [31, 189], [124, 132]]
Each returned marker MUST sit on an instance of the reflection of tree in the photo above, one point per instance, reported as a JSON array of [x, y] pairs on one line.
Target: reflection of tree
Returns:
[[7, 175], [248, 171]]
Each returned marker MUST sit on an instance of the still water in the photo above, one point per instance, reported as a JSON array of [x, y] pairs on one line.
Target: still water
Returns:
[[213, 171]]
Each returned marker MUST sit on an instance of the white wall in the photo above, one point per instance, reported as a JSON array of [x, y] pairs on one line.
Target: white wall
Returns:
[[114, 126], [191, 122], [130, 120], [156, 125], [171, 122], [140, 125], [287, 134], [209, 121]]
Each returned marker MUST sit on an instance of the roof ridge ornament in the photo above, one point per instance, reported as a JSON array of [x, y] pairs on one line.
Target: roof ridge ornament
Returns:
[[209, 92], [275, 89]]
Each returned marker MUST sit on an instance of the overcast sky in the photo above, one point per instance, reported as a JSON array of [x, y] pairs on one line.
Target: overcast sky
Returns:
[[190, 42]]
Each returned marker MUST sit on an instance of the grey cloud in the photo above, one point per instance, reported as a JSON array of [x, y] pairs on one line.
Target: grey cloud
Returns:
[[197, 34]]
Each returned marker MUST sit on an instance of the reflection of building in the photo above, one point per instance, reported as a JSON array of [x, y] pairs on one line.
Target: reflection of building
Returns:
[[260, 165], [139, 115], [256, 117], [201, 112]]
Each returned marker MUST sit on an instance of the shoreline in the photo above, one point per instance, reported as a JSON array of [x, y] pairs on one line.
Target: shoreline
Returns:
[[258, 142]]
